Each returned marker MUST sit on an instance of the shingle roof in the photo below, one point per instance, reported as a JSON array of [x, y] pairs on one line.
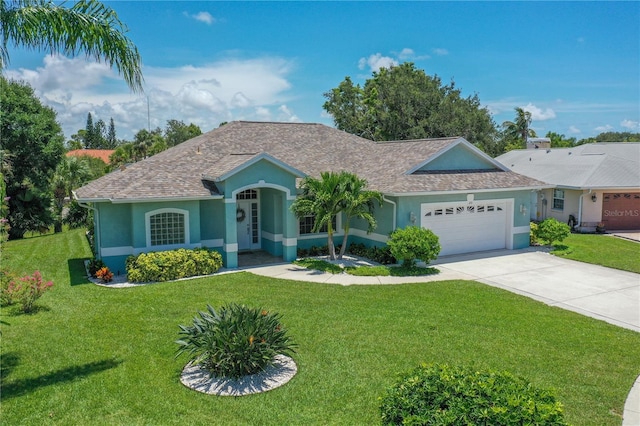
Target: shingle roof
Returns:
[[596, 165], [310, 148]]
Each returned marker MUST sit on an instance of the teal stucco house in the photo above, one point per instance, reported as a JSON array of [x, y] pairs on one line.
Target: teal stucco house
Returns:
[[231, 190]]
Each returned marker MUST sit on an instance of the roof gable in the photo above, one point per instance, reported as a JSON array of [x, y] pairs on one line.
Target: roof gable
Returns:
[[232, 164], [458, 156]]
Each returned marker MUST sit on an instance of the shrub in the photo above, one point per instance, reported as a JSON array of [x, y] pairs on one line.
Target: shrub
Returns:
[[7, 279], [533, 234], [413, 243], [25, 290], [104, 274], [550, 230], [445, 395], [94, 266], [234, 342], [172, 265], [76, 216]]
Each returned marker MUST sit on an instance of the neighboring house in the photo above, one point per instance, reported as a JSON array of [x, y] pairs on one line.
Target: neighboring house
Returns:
[[231, 189], [597, 184], [102, 154]]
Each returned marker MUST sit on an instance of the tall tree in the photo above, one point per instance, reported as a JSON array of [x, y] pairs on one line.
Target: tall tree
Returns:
[[333, 194], [90, 137], [177, 132], [403, 102], [71, 173], [31, 136], [87, 26], [322, 199], [358, 202], [111, 142], [519, 130]]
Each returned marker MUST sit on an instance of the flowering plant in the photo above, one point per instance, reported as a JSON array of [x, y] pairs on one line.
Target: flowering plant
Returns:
[[104, 274], [26, 291]]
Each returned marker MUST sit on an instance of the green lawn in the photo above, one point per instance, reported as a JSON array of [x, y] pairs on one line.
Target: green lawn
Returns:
[[605, 250], [96, 355]]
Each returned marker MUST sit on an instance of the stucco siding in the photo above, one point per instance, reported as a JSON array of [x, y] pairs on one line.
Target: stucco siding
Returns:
[[459, 158], [260, 173], [212, 223], [115, 224]]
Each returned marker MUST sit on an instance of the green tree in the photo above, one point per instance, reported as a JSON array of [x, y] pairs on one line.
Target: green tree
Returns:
[[612, 137], [177, 132], [403, 102], [87, 26], [560, 141], [358, 202], [517, 131], [111, 142], [122, 155], [31, 136], [322, 199], [71, 173], [144, 140]]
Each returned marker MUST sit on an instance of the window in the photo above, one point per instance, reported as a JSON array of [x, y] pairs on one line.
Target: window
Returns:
[[167, 227], [558, 199], [306, 225]]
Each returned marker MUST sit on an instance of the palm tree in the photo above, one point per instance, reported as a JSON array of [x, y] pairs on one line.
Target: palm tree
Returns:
[[333, 194], [520, 128], [321, 198], [87, 26], [357, 202]]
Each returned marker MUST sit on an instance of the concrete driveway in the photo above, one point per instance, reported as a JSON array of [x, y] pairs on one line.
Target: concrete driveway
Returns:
[[603, 293]]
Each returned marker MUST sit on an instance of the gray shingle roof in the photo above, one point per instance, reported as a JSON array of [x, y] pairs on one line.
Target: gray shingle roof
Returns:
[[596, 165], [310, 148]]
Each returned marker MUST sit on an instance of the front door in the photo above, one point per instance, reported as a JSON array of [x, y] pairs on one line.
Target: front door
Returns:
[[247, 220]]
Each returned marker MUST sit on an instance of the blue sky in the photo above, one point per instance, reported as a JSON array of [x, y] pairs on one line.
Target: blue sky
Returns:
[[574, 65]]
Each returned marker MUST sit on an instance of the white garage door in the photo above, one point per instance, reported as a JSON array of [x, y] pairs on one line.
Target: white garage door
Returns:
[[467, 227]]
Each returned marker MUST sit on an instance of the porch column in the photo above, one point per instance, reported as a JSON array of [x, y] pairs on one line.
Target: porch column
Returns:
[[289, 231], [230, 246]]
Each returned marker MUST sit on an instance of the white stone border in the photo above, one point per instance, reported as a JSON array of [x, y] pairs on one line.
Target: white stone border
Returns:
[[276, 375]]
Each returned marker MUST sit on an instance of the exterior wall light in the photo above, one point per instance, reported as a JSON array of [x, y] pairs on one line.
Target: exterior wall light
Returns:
[[594, 198]]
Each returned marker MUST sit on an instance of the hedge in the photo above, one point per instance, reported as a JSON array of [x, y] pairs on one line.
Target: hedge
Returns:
[[172, 265]]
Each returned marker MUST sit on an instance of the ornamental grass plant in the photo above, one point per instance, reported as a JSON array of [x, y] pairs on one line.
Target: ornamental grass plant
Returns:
[[235, 341]]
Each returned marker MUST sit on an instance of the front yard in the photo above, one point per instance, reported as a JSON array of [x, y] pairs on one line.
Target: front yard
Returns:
[[94, 355]]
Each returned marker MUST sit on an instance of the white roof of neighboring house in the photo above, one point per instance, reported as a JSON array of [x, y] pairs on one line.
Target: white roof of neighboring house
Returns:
[[595, 165]]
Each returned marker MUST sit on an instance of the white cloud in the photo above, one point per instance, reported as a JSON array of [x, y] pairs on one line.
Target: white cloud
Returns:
[[440, 51], [205, 17], [206, 95], [630, 124], [574, 130], [285, 114], [406, 53], [539, 114], [605, 128], [377, 61]]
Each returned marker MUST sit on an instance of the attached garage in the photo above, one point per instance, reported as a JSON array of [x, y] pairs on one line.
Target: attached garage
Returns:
[[469, 226], [621, 211]]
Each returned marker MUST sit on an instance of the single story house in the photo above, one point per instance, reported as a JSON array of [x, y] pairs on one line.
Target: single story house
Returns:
[[596, 184], [231, 190]]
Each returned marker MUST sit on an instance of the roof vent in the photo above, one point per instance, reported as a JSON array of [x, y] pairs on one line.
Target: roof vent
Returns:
[[548, 151]]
